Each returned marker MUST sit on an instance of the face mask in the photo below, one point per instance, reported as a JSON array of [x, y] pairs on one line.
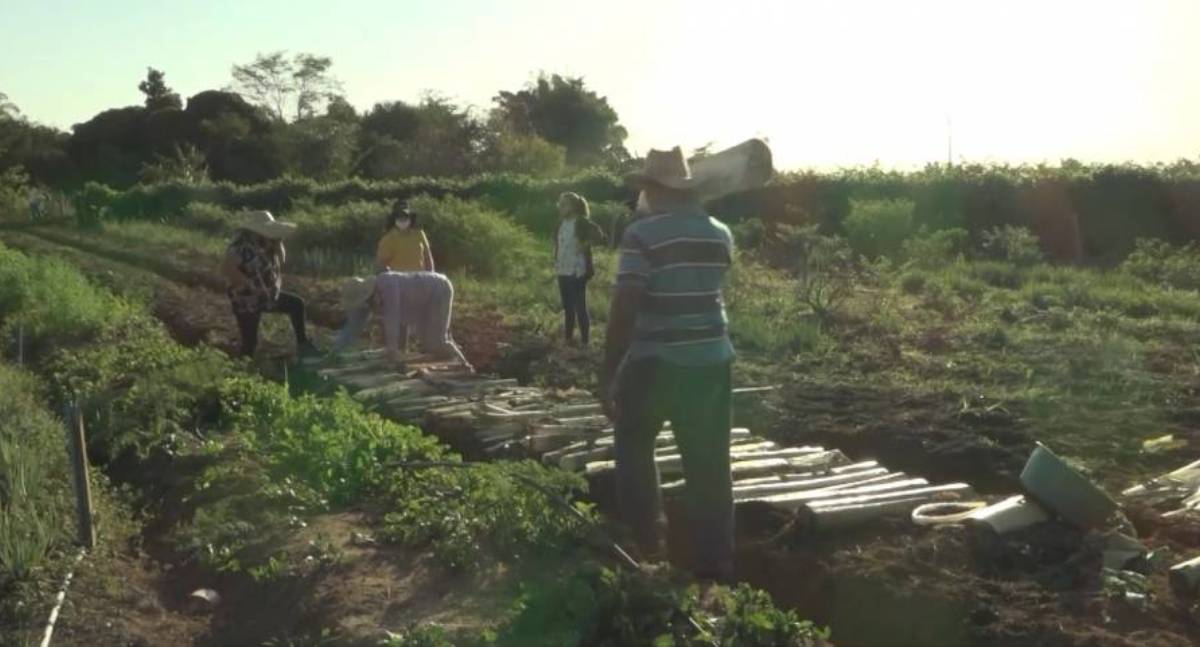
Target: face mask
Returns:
[[403, 224]]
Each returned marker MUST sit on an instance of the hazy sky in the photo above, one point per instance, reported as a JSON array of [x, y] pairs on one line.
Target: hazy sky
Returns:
[[828, 83]]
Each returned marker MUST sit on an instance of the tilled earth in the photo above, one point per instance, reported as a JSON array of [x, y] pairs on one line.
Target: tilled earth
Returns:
[[888, 584]]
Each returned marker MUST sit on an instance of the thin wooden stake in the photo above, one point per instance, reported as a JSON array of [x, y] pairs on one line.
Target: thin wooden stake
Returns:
[[20, 344], [77, 443]]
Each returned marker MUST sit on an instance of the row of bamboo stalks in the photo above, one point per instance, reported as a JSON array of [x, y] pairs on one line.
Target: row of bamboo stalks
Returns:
[[498, 417]]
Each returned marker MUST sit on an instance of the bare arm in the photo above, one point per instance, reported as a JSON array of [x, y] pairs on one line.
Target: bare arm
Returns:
[[627, 297]]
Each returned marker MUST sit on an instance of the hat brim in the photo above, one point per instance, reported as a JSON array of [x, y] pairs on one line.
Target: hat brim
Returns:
[[274, 230], [640, 180]]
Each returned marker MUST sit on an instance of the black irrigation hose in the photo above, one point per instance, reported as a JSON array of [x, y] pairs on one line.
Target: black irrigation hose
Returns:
[[557, 498]]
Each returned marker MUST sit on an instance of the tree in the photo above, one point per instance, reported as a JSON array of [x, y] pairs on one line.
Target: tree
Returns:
[[184, 164], [240, 142], [563, 111], [27, 147], [508, 152], [299, 86], [433, 138], [158, 95], [323, 147], [8, 109]]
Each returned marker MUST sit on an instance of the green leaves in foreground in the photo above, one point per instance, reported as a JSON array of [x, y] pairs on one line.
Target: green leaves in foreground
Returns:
[[486, 511], [601, 606]]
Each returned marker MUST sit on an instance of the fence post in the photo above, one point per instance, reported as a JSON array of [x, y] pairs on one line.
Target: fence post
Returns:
[[77, 443]]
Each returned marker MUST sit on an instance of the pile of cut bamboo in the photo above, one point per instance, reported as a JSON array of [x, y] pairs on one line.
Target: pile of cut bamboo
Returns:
[[494, 417]]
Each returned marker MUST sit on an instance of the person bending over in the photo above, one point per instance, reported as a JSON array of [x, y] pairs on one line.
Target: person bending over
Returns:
[[418, 301]]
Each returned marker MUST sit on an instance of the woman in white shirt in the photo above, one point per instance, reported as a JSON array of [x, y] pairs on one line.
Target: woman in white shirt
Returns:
[[573, 262]]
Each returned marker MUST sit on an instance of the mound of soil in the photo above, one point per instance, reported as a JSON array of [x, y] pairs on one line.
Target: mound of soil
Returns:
[[924, 433], [896, 584]]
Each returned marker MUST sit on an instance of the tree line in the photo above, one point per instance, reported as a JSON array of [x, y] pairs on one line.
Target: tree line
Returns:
[[286, 115]]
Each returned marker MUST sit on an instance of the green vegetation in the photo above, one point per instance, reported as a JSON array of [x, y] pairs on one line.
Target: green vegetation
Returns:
[[592, 605], [35, 482], [258, 462]]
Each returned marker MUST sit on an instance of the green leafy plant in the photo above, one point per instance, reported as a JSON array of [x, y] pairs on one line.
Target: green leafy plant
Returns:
[[485, 512], [826, 272], [1016, 245], [1164, 264], [877, 228]]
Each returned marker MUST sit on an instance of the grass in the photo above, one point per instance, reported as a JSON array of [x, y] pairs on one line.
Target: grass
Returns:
[[1092, 360]]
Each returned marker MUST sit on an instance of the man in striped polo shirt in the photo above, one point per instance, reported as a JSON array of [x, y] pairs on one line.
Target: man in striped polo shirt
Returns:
[[667, 358]]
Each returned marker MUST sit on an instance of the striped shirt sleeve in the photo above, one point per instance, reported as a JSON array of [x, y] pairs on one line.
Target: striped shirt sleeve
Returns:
[[633, 268]]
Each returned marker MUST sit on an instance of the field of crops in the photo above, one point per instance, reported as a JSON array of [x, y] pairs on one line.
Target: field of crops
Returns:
[[944, 349]]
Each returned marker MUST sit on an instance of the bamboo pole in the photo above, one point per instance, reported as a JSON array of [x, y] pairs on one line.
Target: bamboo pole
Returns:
[[77, 448]]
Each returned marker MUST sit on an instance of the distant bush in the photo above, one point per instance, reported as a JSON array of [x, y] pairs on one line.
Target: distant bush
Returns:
[[1164, 264], [14, 183], [913, 281], [1108, 206], [931, 250], [877, 228], [1017, 245], [750, 233], [996, 274], [93, 203], [469, 236]]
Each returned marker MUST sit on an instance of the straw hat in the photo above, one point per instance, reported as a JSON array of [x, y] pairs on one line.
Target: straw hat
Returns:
[[356, 291], [665, 168], [265, 225]]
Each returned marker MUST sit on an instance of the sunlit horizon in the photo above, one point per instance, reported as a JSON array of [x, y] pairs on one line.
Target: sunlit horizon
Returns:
[[829, 84]]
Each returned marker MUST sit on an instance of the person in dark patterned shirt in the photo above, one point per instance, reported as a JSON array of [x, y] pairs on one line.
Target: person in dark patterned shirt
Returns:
[[253, 270]]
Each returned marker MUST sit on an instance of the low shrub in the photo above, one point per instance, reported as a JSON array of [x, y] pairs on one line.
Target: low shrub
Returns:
[[14, 186], [50, 301], [996, 274], [826, 271], [92, 204], [469, 236], [337, 451], [488, 511], [138, 389], [599, 606], [913, 281], [931, 250], [1016, 245], [877, 228], [1164, 264], [35, 486]]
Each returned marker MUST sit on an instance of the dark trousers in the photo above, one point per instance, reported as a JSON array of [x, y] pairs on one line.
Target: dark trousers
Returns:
[[287, 303], [697, 402], [573, 290]]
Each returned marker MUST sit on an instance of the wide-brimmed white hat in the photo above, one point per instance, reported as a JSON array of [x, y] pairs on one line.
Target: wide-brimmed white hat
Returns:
[[265, 225], [356, 291], [665, 168]]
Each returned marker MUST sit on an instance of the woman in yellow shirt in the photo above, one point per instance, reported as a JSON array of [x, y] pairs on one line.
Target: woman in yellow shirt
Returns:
[[404, 247]]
